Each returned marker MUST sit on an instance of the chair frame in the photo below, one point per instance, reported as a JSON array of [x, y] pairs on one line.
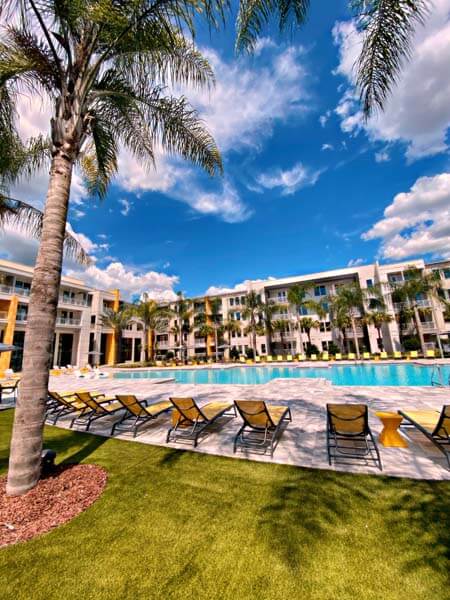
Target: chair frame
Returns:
[[269, 434], [179, 433], [9, 388], [442, 443], [340, 453], [91, 414], [139, 420]]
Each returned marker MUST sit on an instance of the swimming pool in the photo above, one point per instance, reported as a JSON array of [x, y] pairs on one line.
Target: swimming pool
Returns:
[[368, 374]]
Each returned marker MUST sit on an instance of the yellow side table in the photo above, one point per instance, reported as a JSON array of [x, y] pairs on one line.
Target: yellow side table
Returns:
[[390, 437]]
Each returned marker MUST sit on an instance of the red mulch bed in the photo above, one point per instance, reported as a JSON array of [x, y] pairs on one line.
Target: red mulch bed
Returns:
[[56, 499]]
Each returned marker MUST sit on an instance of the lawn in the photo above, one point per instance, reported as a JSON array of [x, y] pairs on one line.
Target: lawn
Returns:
[[174, 524]]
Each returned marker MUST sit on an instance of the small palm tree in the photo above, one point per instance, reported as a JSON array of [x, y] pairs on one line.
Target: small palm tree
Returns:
[[378, 319], [253, 312], [269, 309], [297, 298], [307, 324], [341, 321], [183, 312], [282, 327], [231, 326], [117, 320], [349, 300], [154, 318]]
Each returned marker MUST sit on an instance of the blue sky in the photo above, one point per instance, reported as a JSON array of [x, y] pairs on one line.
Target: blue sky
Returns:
[[308, 186]]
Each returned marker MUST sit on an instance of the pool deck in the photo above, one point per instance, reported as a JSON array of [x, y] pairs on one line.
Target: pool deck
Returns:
[[303, 442]]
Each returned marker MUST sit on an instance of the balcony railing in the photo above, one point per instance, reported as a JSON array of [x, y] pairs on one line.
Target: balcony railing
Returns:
[[66, 321], [21, 318], [73, 301], [419, 304], [7, 289], [200, 343]]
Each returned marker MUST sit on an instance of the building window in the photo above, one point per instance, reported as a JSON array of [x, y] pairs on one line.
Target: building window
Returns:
[[237, 316], [320, 290], [369, 283], [92, 319], [446, 273], [303, 311], [263, 348], [325, 306], [237, 301], [242, 300], [231, 301]]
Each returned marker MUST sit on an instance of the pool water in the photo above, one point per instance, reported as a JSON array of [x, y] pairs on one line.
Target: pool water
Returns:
[[368, 374]]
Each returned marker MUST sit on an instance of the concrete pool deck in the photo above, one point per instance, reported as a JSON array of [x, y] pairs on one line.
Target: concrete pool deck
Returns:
[[303, 442]]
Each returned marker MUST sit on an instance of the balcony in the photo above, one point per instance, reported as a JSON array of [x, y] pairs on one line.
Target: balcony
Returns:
[[3, 316], [200, 343], [12, 291], [21, 318], [72, 301], [66, 321], [419, 303], [162, 345]]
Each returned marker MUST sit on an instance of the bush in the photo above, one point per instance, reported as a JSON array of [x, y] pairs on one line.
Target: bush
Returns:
[[333, 348], [249, 353], [234, 353], [312, 349], [170, 355], [411, 343]]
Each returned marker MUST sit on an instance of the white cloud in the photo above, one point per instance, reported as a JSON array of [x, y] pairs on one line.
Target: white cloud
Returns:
[[289, 180], [355, 262], [382, 156], [418, 111], [225, 203], [262, 44], [158, 286], [323, 119], [416, 222], [244, 286], [126, 206], [327, 147]]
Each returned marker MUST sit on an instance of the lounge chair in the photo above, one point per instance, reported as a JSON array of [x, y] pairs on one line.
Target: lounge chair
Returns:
[[351, 356], [289, 358], [94, 409], [397, 354], [262, 424], [338, 356], [269, 358], [279, 358], [313, 357], [257, 359], [242, 359], [325, 356], [430, 354], [139, 412], [9, 386], [434, 424], [413, 354], [366, 356], [189, 420], [301, 357], [65, 403], [349, 436]]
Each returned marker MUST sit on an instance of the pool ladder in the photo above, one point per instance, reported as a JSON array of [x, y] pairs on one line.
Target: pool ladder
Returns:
[[437, 379]]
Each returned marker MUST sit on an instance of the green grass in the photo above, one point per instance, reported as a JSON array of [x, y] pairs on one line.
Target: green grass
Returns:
[[174, 524]]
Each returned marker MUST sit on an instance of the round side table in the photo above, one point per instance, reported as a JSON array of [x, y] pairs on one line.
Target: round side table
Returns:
[[390, 437]]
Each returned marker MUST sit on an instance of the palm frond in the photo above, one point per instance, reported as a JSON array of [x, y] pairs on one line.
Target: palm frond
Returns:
[[388, 27], [99, 161], [254, 15]]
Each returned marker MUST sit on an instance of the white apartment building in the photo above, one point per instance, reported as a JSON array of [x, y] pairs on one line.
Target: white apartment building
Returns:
[[80, 336], [322, 286]]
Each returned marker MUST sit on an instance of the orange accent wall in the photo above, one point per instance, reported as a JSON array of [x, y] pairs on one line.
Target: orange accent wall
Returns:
[[5, 357]]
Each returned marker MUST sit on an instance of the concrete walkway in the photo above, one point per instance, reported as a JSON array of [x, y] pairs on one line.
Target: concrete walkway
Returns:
[[303, 442]]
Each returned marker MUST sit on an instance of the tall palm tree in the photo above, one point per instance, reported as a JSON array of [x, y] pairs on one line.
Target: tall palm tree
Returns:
[[117, 320], [104, 72], [416, 285], [298, 300], [269, 310], [183, 312], [253, 313], [282, 327], [307, 324], [341, 321], [231, 326], [378, 318], [154, 318], [349, 300]]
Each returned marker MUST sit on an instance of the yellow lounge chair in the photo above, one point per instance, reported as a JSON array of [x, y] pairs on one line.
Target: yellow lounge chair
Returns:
[[242, 359], [413, 354], [325, 356], [269, 358], [384, 355], [338, 356], [60, 404], [366, 355], [434, 424], [351, 356], [94, 408], [279, 358], [301, 357], [430, 354], [349, 437], [313, 357], [140, 412], [262, 424], [397, 354], [189, 420], [289, 358], [257, 359]]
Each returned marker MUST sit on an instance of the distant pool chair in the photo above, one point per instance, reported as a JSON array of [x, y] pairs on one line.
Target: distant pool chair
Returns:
[[190, 420], [137, 413], [262, 425], [338, 356], [366, 356], [430, 354], [433, 424], [413, 354], [289, 358], [384, 355], [349, 437], [351, 356], [325, 356], [301, 357], [313, 357], [257, 359], [242, 359], [397, 354], [269, 358], [279, 358]]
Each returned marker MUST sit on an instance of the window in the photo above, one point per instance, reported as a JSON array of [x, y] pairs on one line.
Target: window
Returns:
[[242, 300], [369, 283], [320, 290], [325, 306], [92, 319], [303, 311], [237, 301], [446, 273], [237, 316], [325, 326], [231, 301], [282, 296], [263, 348]]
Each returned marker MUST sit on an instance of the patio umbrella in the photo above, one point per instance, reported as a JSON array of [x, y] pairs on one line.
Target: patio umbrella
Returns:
[[8, 348]]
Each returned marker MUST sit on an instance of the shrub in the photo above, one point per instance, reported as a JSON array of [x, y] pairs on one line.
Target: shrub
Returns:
[[249, 353], [411, 343], [311, 349], [333, 348], [234, 353]]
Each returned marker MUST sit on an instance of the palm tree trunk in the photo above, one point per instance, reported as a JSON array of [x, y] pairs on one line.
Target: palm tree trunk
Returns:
[[216, 342], [355, 339], [380, 337], [118, 346], [26, 442], [301, 348], [419, 329], [254, 337]]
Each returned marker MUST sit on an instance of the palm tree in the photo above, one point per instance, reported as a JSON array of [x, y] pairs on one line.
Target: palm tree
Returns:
[[410, 292], [341, 320], [253, 313], [297, 298], [349, 301], [307, 324], [377, 318], [282, 326], [231, 326], [104, 72], [269, 309], [117, 320], [154, 318], [183, 312]]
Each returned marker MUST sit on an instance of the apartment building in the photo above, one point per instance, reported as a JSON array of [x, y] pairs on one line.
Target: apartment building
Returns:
[[80, 336], [321, 286]]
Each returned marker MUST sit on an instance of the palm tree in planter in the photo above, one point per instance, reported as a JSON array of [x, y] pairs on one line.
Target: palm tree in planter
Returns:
[[117, 320], [378, 318], [269, 310], [153, 318], [104, 71], [253, 314]]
